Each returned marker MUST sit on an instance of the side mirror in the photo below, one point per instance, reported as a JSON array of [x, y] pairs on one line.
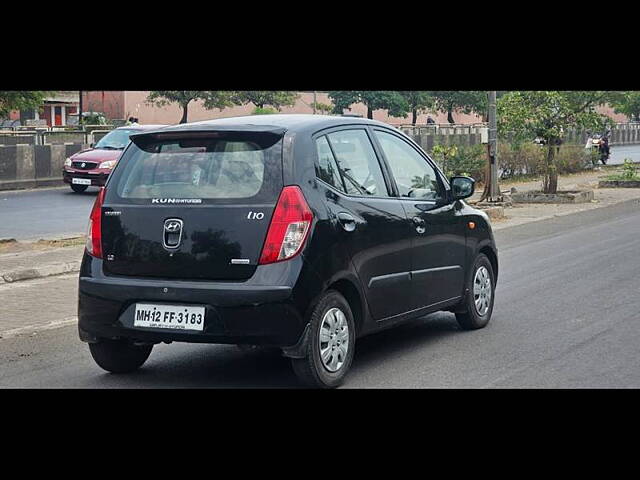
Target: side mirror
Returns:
[[462, 187]]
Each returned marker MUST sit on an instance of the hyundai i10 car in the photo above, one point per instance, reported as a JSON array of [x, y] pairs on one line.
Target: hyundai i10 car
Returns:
[[93, 166], [300, 232]]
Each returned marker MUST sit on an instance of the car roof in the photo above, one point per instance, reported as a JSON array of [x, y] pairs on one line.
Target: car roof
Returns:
[[274, 123]]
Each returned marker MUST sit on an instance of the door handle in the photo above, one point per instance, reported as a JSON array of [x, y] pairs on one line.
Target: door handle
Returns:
[[347, 221], [419, 224]]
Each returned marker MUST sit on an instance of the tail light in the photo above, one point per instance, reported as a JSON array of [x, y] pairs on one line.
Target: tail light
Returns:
[[289, 227], [94, 232]]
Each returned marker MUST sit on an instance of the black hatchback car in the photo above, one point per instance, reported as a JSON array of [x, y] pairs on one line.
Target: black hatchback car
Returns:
[[301, 232]]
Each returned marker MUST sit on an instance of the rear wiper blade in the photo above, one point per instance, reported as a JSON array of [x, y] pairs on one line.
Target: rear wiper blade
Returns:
[[111, 147]]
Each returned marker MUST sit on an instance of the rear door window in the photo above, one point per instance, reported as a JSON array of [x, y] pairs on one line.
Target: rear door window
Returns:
[[357, 163], [206, 168], [326, 167]]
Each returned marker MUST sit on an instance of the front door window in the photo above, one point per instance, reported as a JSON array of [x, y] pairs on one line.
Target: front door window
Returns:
[[414, 176]]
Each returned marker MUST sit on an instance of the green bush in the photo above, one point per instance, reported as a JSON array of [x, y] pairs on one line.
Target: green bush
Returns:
[[264, 111], [461, 160], [573, 159], [528, 159], [629, 172], [520, 159], [514, 159]]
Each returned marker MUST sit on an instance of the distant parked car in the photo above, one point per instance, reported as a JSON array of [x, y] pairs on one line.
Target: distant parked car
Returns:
[[92, 167]]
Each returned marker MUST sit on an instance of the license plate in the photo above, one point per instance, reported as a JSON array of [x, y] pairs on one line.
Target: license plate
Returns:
[[174, 317], [81, 181]]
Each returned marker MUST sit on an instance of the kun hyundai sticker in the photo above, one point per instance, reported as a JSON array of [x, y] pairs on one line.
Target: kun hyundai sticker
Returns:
[[176, 200]]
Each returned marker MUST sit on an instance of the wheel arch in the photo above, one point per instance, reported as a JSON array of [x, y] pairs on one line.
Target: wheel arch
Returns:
[[352, 294], [491, 254]]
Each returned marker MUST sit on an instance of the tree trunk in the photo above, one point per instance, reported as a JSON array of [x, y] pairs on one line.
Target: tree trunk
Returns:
[[550, 182], [450, 116], [369, 113], [185, 112], [415, 116]]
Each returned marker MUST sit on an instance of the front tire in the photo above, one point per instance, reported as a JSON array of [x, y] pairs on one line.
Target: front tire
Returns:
[[331, 344], [78, 188], [478, 303], [119, 356]]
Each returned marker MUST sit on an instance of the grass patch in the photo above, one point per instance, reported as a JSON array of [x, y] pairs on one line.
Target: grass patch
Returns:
[[621, 178]]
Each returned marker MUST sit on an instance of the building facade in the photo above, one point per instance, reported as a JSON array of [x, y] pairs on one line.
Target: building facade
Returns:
[[58, 109]]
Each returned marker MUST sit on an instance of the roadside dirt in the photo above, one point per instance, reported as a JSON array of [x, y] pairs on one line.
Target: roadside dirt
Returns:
[[11, 245]]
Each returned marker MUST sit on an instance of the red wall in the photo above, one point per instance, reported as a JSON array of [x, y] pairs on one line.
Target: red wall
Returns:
[[109, 102]]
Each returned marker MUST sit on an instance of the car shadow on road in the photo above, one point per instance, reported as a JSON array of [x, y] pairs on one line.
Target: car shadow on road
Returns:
[[208, 366], [402, 340], [86, 193], [226, 366]]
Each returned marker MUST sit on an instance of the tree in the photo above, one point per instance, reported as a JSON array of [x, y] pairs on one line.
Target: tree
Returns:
[[322, 108], [211, 99], [465, 101], [417, 101], [627, 103], [547, 114], [392, 101], [260, 99], [22, 100]]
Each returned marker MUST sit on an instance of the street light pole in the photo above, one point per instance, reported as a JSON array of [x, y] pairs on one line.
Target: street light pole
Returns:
[[494, 192], [80, 109]]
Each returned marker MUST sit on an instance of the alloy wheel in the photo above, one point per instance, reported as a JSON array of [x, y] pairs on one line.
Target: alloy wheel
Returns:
[[482, 291], [334, 339]]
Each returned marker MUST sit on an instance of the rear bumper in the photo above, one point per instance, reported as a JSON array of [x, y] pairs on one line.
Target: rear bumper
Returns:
[[98, 177], [235, 312]]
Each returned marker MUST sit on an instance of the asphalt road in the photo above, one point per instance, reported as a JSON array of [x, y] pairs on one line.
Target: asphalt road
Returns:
[[58, 212], [619, 153], [45, 213], [567, 315]]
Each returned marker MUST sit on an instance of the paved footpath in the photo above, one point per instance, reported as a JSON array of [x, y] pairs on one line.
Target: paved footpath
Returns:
[[25, 265], [39, 304]]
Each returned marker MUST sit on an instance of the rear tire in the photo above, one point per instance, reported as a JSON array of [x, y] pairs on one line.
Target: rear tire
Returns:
[[478, 303], [78, 188], [117, 356], [331, 344]]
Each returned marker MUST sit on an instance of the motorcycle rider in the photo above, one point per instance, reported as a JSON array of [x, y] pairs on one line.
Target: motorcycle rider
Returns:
[[604, 149]]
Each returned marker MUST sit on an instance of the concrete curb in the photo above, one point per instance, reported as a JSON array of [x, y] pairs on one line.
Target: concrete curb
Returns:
[[40, 272]]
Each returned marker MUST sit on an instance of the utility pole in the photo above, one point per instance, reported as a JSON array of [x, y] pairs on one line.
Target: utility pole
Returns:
[[314, 102], [494, 191], [80, 109]]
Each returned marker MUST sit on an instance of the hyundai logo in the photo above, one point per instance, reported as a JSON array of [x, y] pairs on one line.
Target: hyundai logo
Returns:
[[172, 233], [82, 165], [172, 226]]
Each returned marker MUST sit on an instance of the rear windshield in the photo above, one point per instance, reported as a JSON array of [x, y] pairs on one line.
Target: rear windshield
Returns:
[[116, 139], [228, 168]]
